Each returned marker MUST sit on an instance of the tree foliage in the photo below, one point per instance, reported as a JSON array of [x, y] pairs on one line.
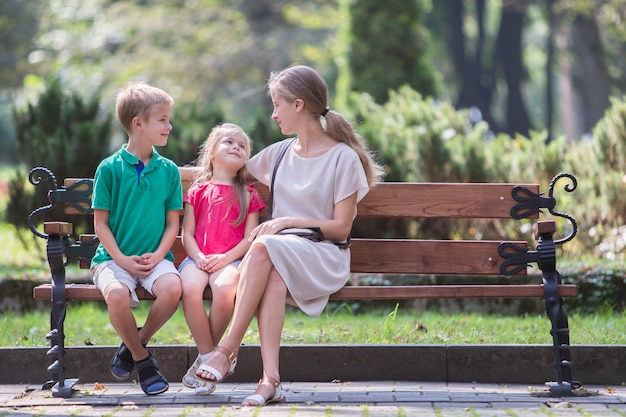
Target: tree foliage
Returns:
[[388, 48]]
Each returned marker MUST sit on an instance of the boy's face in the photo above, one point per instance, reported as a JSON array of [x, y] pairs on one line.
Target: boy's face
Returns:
[[155, 128]]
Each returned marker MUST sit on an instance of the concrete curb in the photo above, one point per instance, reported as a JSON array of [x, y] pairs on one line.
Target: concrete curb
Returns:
[[523, 364]]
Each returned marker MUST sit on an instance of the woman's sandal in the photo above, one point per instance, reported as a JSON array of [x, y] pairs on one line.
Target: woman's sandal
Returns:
[[219, 377], [151, 379], [260, 400]]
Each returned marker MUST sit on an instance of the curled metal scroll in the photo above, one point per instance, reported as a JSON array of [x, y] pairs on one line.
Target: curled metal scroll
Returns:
[[36, 176], [569, 188]]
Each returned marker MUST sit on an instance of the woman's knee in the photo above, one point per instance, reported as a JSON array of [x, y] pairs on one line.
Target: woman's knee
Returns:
[[257, 254], [275, 282]]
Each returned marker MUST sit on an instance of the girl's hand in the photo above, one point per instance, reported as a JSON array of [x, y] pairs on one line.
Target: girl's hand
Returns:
[[214, 263]]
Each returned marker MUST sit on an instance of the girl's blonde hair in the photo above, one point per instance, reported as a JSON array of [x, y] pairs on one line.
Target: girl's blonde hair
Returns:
[[302, 82], [204, 161]]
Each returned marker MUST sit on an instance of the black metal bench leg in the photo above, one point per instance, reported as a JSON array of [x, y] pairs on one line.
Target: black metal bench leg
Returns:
[[557, 315], [560, 337], [59, 385]]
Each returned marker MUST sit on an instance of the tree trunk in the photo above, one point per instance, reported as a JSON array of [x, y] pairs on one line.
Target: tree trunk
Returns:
[[552, 30], [476, 87], [509, 57], [591, 75]]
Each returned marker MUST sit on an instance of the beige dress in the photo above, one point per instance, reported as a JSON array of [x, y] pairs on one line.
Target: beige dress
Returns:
[[309, 188]]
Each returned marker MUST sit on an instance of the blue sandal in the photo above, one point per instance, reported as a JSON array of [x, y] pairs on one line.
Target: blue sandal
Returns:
[[151, 379], [122, 363]]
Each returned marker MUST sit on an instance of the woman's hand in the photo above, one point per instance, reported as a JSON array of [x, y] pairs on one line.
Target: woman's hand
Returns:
[[271, 227]]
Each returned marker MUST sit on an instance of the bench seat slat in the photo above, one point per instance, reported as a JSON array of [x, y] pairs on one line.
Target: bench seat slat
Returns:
[[89, 292], [400, 256]]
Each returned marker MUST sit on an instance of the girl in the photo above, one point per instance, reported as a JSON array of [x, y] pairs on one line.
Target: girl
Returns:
[[220, 209]]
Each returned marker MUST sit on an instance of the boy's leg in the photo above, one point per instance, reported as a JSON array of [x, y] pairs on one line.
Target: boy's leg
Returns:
[[118, 289], [117, 297], [167, 292], [164, 284]]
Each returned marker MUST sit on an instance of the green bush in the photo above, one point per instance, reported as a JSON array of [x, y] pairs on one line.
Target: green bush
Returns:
[[601, 285], [66, 134]]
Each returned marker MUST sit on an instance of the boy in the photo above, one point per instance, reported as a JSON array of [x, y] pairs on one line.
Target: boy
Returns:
[[137, 196]]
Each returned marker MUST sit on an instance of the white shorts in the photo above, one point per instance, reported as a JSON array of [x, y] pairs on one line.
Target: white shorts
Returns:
[[109, 272]]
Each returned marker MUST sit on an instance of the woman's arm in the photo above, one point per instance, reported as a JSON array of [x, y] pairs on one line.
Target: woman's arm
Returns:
[[338, 229]]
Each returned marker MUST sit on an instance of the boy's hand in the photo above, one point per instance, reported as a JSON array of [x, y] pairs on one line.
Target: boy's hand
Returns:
[[136, 265], [150, 260]]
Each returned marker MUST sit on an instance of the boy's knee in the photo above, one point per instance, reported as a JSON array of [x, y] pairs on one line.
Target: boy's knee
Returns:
[[117, 298], [168, 286]]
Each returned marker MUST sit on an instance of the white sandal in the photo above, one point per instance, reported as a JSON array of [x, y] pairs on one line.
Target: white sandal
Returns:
[[201, 387], [260, 400], [189, 380], [219, 377]]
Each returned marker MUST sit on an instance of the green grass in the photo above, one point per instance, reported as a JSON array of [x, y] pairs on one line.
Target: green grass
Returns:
[[88, 324]]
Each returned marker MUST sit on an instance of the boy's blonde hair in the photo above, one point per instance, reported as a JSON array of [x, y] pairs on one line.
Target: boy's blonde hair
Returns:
[[204, 161], [135, 100]]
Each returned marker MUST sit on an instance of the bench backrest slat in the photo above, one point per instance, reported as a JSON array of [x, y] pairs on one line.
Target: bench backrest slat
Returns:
[[413, 200]]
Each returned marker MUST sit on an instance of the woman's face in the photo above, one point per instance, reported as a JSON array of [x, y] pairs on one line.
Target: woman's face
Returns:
[[284, 114]]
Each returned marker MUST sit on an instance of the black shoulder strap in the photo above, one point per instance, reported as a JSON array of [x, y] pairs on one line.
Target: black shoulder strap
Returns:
[[282, 153]]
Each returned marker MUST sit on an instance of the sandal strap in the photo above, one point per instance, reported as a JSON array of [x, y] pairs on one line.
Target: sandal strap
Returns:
[[232, 358], [274, 382]]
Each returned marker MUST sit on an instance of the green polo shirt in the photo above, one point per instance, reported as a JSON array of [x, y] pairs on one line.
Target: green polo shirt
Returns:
[[137, 201]]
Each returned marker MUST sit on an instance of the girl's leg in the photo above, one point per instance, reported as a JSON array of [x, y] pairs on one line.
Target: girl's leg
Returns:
[[224, 287], [194, 281], [271, 318], [254, 274]]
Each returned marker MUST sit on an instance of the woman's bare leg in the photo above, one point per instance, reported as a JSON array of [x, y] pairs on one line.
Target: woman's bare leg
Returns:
[[271, 318]]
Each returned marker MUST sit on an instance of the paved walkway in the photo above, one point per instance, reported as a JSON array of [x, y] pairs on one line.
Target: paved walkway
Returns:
[[359, 399]]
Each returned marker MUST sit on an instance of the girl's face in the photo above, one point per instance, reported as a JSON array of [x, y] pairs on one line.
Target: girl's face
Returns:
[[231, 149], [284, 114]]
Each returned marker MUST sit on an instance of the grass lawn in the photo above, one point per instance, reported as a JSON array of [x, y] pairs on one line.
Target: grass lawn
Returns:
[[88, 324]]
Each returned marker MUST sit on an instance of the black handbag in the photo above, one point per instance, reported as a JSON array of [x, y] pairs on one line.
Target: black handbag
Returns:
[[311, 233]]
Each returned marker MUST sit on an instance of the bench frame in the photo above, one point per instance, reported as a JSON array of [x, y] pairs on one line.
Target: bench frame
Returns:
[[514, 259]]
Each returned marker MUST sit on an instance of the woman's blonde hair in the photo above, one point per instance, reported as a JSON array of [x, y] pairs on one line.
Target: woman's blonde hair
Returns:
[[204, 161], [302, 82]]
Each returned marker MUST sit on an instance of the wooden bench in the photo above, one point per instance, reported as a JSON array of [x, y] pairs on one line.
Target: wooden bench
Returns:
[[368, 255]]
